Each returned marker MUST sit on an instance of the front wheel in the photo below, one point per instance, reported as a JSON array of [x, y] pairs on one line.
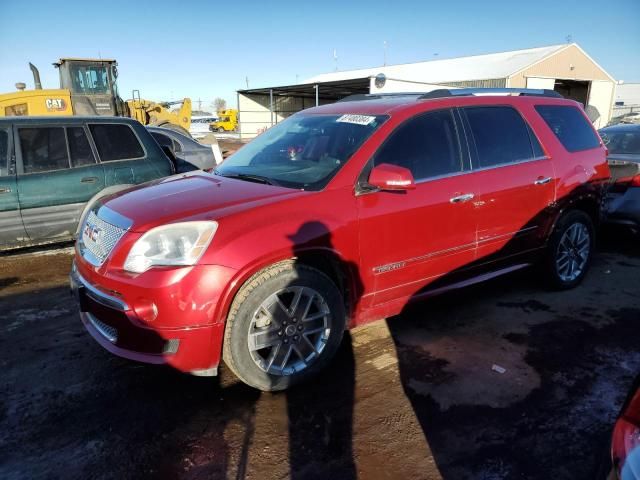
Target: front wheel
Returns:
[[284, 326], [220, 129], [570, 250]]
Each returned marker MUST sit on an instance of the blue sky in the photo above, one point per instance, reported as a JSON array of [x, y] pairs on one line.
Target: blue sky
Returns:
[[206, 49]]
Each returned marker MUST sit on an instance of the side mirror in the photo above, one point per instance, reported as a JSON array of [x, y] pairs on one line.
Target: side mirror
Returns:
[[391, 177]]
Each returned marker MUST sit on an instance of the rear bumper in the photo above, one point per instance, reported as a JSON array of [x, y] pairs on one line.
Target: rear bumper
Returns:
[[115, 326]]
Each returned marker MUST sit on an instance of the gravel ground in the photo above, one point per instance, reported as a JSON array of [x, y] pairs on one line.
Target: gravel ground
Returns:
[[411, 397]]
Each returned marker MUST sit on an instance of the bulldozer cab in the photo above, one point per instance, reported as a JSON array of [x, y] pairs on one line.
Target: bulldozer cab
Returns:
[[93, 87]]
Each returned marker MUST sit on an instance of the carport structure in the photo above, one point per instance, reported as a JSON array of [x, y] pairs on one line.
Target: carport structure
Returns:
[[565, 68], [260, 108]]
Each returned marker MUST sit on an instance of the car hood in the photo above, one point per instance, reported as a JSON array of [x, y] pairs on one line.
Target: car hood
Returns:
[[197, 196]]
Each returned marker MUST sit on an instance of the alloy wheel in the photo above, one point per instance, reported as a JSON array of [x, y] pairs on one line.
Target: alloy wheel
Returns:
[[573, 252]]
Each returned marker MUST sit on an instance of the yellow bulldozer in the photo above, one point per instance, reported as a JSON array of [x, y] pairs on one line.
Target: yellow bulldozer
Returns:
[[88, 87]]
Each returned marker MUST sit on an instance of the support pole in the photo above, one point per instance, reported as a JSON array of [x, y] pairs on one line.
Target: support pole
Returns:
[[271, 105], [317, 102]]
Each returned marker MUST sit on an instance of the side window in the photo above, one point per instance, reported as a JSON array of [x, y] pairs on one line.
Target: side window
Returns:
[[4, 152], [427, 145], [163, 140], [570, 127], [535, 144], [79, 147], [177, 147], [43, 149], [500, 136], [115, 142]]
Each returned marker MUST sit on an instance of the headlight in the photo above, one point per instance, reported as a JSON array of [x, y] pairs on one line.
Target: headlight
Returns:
[[174, 244]]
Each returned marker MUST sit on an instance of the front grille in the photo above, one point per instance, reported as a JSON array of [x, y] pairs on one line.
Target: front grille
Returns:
[[100, 239], [107, 331]]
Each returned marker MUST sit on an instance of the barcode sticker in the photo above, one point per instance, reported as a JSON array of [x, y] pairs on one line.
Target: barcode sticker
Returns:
[[356, 119]]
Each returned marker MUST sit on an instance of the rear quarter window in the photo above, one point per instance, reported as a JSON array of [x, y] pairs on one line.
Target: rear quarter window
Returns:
[[570, 126], [116, 142]]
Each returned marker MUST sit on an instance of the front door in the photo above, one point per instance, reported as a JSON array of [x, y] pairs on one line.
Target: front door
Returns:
[[57, 175], [12, 231], [410, 239]]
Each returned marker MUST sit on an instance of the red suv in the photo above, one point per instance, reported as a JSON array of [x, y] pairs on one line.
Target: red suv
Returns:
[[338, 216]]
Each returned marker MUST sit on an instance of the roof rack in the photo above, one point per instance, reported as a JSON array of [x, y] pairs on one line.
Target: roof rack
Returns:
[[462, 92]]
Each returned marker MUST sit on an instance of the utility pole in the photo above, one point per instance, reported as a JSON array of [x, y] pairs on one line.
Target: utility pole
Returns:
[[246, 79], [199, 104], [569, 38], [335, 59]]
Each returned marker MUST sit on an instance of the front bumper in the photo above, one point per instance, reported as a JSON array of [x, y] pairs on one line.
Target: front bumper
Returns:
[[115, 325], [624, 208]]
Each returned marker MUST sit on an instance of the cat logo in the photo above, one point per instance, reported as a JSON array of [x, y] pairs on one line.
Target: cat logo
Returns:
[[55, 104]]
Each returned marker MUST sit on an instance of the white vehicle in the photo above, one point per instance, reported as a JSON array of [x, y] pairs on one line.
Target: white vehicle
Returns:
[[200, 125]]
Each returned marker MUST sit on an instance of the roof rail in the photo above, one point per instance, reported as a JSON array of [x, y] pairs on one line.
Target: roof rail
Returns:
[[461, 92], [377, 96]]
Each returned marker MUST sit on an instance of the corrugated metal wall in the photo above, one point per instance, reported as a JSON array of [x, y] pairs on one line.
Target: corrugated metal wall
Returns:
[[489, 83]]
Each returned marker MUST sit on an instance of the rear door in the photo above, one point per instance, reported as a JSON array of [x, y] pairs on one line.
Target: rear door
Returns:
[[515, 181], [57, 175], [12, 232], [409, 239], [122, 154]]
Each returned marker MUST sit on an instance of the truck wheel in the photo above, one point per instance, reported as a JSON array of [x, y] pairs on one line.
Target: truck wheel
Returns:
[[570, 250], [220, 129], [284, 326]]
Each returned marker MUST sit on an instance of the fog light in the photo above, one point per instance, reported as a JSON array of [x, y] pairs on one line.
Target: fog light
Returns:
[[171, 346], [146, 310]]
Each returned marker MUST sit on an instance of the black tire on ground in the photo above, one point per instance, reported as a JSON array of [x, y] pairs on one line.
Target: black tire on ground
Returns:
[[576, 219], [258, 289], [220, 130], [175, 128]]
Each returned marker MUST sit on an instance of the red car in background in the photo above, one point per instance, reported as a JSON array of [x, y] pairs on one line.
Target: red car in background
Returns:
[[338, 216]]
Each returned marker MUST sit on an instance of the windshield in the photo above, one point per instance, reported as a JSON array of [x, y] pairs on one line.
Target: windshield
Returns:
[[623, 142], [90, 79], [304, 151]]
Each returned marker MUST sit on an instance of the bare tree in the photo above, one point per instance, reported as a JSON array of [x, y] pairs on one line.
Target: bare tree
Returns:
[[219, 104]]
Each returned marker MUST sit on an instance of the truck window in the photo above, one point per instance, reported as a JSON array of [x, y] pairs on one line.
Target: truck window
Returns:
[[115, 142], [4, 152], [570, 126], [43, 149], [79, 147]]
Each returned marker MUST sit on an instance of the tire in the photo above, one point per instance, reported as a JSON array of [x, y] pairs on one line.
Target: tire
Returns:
[[220, 130], [261, 315], [570, 250]]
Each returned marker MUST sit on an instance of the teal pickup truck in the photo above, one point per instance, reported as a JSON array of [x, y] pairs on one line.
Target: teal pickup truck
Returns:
[[51, 167]]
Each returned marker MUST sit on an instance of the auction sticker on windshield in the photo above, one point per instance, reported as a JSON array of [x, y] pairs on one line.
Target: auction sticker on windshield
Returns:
[[356, 119]]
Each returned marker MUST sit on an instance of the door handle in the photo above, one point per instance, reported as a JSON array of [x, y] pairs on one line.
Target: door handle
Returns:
[[542, 181], [462, 198], [89, 180], [5, 190]]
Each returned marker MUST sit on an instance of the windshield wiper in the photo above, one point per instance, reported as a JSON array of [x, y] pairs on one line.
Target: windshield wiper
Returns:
[[248, 177]]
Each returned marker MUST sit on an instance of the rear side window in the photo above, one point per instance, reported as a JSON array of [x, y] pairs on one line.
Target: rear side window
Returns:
[[500, 136], [570, 126], [4, 152], [115, 142], [43, 149], [427, 145], [79, 147], [163, 140]]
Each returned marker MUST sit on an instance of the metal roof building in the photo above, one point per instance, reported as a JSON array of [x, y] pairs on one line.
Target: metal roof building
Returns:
[[565, 68]]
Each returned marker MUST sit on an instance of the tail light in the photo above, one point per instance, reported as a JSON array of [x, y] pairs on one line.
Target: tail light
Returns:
[[626, 439], [635, 181]]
